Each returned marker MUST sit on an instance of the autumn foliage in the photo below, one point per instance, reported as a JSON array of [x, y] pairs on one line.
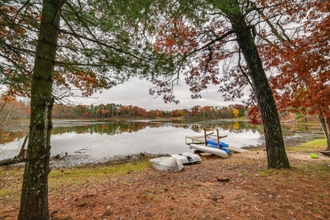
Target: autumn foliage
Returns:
[[201, 54], [294, 48], [303, 75], [15, 62]]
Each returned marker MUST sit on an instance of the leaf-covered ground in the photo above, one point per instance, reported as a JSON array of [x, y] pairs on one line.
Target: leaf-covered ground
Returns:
[[239, 187]]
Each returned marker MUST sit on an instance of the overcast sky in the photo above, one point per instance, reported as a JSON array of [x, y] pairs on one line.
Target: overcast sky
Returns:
[[136, 92]]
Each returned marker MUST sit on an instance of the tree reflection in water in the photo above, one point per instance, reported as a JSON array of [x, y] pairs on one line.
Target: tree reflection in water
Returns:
[[129, 137], [132, 126]]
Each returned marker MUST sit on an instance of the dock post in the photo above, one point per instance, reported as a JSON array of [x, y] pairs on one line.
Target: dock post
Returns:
[[218, 138]]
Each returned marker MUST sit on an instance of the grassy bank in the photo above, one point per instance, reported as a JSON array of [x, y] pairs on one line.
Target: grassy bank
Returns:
[[310, 146]]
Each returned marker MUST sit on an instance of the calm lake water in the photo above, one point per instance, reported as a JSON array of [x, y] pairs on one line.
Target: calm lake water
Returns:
[[131, 137]]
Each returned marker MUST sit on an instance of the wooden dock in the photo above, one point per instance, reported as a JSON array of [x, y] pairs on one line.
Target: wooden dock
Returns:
[[237, 150], [202, 139], [199, 139], [195, 139]]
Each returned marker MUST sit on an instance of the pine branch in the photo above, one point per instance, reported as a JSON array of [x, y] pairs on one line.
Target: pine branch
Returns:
[[69, 25], [98, 42]]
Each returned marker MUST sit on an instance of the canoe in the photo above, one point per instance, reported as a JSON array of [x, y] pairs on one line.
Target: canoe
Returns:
[[215, 143], [187, 158], [169, 164], [210, 150]]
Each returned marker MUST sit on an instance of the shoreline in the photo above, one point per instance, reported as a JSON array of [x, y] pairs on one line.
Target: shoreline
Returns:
[[81, 160]]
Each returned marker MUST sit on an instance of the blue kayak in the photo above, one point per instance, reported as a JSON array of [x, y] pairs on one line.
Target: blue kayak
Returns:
[[214, 143]]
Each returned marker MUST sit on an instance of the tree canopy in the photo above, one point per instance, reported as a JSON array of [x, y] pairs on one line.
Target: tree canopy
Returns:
[[97, 48], [96, 44]]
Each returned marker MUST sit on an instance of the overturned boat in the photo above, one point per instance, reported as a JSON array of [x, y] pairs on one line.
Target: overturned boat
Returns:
[[169, 164], [187, 158]]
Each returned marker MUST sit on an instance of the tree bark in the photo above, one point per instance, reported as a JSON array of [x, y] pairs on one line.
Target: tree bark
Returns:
[[276, 154], [325, 124], [34, 197]]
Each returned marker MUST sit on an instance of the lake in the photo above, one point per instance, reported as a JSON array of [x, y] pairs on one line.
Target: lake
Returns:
[[100, 139]]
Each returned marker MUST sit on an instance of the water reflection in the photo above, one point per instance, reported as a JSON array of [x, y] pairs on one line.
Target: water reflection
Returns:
[[135, 126], [147, 136], [122, 138]]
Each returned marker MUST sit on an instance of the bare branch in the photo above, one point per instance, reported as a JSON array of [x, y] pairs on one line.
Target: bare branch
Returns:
[[272, 27], [283, 31], [211, 42], [265, 39], [20, 9]]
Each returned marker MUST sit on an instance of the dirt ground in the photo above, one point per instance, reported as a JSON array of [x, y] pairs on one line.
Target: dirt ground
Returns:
[[239, 187]]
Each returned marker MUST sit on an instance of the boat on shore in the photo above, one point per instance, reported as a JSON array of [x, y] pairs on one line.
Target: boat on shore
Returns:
[[187, 158], [211, 150], [169, 164]]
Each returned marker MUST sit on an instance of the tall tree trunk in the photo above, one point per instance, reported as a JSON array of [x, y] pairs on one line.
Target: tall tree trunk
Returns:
[[276, 154], [325, 123], [34, 198]]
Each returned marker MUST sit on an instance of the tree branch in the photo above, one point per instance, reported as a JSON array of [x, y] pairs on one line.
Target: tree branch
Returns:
[[67, 22], [20, 9], [78, 64], [58, 10], [98, 42], [272, 27], [211, 42], [83, 22]]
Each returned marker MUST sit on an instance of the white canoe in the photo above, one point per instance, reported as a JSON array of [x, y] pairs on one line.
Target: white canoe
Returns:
[[187, 158], [169, 164], [210, 150]]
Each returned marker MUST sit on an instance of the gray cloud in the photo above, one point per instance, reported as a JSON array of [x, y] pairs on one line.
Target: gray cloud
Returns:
[[136, 92]]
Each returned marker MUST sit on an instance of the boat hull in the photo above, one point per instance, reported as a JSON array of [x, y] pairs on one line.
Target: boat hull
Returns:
[[210, 150], [187, 158], [168, 164]]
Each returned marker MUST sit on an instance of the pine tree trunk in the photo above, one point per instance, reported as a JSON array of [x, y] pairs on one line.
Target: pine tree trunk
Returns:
[[34, 197], [276, 154]]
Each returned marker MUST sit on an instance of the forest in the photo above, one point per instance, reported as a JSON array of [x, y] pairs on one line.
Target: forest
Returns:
[[277, 49], [21, 110]]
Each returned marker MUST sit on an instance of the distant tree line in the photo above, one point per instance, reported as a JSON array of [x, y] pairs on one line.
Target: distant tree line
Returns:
[[118, 127], [117, 111]]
